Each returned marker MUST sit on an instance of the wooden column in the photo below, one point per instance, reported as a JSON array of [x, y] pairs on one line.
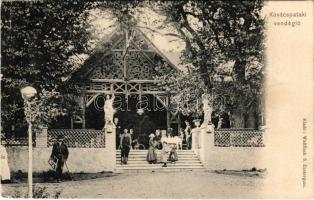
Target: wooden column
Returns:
[[72, 122], [179, 122], [83, 111], [124, 56], [168, 113], [168, 119]]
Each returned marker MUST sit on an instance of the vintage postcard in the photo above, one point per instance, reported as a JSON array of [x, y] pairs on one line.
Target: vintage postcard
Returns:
[[184, 99]]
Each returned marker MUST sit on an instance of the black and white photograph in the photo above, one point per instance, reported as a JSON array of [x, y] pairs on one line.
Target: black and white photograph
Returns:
[[140, 99]]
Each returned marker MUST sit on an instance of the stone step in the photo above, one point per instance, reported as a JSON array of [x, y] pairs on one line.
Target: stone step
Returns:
[[144, 161], [158, 152], [158, 157], [159, 169], [145, 152], [187, 159], [157, 166]]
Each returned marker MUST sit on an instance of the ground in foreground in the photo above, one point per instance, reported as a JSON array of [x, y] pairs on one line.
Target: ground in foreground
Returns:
[[153, 185]]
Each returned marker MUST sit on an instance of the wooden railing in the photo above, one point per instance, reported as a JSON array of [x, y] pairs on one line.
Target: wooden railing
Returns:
[[16, 141], [239, 138], [78, 138]]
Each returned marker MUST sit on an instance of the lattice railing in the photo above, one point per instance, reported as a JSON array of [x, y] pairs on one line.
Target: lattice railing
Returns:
[[78, 138], [22, 141], [239, 138]]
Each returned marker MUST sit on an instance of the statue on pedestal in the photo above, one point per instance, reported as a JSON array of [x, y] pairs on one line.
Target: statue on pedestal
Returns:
[[109, 110], [207, 109]]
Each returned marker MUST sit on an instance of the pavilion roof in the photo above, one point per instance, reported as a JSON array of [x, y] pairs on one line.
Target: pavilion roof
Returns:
[[112, 42]]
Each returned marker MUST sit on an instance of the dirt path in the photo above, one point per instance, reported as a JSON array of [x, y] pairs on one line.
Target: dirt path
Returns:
[[155, 185]]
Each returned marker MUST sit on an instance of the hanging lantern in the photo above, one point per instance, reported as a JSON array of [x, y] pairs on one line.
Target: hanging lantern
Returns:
[[140, 111]]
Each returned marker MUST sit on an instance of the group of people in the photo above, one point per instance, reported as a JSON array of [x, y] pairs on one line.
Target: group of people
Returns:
[[168, 151], [165, 142]]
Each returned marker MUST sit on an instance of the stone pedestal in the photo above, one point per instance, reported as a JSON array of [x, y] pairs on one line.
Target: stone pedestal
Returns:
[[110, 145], [207, 143], [42, 138], [196, 140]]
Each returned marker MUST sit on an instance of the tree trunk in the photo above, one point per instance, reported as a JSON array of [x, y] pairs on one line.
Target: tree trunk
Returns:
[[239, 70], [238, 120]]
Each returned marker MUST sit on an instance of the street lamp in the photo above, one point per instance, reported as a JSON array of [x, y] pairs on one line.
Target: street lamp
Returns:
[[27, 93]]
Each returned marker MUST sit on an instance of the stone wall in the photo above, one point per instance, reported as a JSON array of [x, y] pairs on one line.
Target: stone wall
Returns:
[[80, 159], [86, 160], [230, 158], [90, 160]]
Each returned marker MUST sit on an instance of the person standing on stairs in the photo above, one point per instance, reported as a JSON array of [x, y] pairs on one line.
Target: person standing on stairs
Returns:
[[125, 145], [164, 153], [173, 156], [188, 134], [151, 154], [118, 131]]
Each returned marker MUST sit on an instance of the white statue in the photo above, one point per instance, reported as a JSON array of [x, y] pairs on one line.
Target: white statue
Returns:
[[109, 110], [207, 108]]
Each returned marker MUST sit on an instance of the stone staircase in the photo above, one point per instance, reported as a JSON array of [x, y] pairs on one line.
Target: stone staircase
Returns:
[[188, 161]]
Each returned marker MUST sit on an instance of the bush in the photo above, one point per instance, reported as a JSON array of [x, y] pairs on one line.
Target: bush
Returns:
[[38, 193]]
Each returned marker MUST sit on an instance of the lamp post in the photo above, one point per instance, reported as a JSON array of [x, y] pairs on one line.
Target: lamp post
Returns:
[[27, 93]]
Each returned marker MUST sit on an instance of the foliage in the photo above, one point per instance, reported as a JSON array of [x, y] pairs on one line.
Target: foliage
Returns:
[[41, 44], [216, 33], [38, 41], [39, 193], [186, 91]]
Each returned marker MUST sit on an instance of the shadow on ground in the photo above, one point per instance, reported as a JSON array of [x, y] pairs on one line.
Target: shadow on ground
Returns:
[[49, 176]]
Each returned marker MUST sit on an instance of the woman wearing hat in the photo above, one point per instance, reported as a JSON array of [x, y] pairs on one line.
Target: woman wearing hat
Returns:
[[151, 154]]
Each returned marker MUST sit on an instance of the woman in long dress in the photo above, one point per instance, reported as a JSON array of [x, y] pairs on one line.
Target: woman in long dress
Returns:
[[4, 166], [151, 154], [173, 156]]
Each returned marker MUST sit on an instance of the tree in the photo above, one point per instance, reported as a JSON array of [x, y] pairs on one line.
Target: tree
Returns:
[[41, 43], [217, 33], [38, 41]]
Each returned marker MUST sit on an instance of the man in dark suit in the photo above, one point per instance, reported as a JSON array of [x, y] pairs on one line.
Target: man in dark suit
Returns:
[[118, 131], [59, 155]]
